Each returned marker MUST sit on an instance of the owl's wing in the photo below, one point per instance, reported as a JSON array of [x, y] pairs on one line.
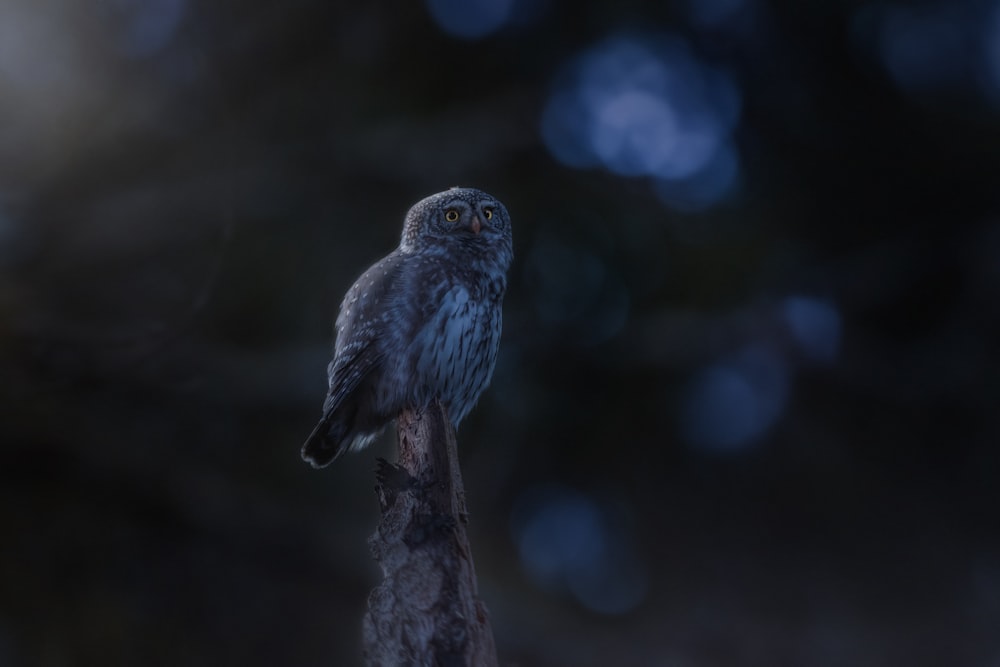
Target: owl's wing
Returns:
[[364, 315], [334, 432], [353, 364]]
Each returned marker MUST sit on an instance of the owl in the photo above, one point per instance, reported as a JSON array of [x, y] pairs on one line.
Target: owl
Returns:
[[423, 323]]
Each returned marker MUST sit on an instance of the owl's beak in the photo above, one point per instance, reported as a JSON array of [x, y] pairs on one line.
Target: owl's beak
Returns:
[[475, 225]]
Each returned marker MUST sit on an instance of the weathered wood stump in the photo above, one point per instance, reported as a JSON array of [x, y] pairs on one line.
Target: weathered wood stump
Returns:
[[427, 609]]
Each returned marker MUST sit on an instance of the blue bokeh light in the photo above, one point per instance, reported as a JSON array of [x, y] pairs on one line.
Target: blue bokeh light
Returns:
[[923, 48], [712, 13], [149, 25], [470, 19], [815, 325], [934, 48], [568, 542], [731, 404], [647, 107], [706, 187]]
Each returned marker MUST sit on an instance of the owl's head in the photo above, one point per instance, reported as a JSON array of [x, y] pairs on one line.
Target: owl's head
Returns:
[[460, 218]]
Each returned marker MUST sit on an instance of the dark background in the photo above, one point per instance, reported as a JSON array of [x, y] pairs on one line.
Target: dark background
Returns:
[[746, 407]]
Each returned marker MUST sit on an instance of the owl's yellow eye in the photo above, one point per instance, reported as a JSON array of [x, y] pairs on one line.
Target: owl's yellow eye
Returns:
[[488, 212], [451, 215]]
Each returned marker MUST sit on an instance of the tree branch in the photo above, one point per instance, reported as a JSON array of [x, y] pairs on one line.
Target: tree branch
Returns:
[[427, 610]]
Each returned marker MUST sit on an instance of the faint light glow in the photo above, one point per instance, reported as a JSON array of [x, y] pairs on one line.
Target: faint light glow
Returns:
[[922, 48], [647, 107], [816, 326], [731, 404], [635, 133], [933, 47], [992, 51], [565, 120], [52, 78], [149, 25], [37, 56], [706, 187], [574, 290], [712, 13], [528, 12], [568, 542], [470, 19]]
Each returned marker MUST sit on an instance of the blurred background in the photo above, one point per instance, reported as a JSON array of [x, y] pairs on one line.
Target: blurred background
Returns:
[[746, 407]]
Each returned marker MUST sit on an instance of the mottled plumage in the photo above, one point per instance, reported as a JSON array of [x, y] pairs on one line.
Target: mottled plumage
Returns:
[[422, 323]]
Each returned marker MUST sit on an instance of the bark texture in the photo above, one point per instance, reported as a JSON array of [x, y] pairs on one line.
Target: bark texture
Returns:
[[427, 610]]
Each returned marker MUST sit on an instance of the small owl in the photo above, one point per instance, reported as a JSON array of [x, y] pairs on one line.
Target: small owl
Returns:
[[421, 324]]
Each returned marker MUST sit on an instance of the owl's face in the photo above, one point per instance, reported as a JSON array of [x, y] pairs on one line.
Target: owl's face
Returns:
[[460, 217]]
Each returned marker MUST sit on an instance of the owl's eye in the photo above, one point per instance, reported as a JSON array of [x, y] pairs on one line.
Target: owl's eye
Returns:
[[488, 212], [451, 215]]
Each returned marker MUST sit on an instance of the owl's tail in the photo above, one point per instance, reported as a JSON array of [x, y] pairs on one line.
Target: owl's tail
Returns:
[[325, 443]]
